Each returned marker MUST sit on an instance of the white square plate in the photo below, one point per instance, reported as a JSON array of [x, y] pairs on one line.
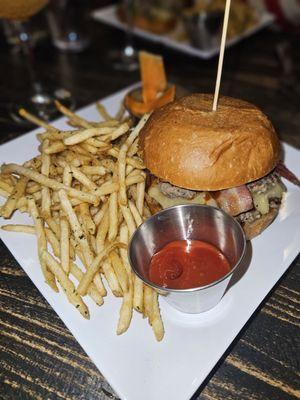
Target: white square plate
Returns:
[[108, 16], [136, 365]]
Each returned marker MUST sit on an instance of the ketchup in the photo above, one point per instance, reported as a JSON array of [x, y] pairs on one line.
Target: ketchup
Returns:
[[186, 264]]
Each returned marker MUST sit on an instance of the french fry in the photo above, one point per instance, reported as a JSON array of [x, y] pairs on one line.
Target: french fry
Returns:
[[93, 170], [66, 283], [92, 290], [135, 132], [102, 111], [64, 244], [94, 267], [121, 174], [79, 121], [9, 206], [67, 175], [135, 172], [133, 149], [129, 219], [53, 226], [51, 183], [120, 270], [81, 239], [120, 113], [82, 136], [129, 169], [98, 143], [35, 163], [129, 160], [118, 132], [123, 252], [138, 294], [36, 121], [106, 188], [55, 147], [86, 218], [45, 191], [19, 228], [42, 243], [76, 228], [82, 178], [92, 240], [4, 194], [125, 311], [54, 243], [6, 186], [113, 216], [135, 213], [32, 187], [111, 278], [54, 135], [140, 196], [147, 212], [155, 318], [148, 301], [102, 232], [50, 236]]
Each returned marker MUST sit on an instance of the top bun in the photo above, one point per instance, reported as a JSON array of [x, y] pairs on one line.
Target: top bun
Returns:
[[187, 144]]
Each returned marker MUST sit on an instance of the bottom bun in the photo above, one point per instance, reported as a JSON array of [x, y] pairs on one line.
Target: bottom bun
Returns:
[[256, 227]]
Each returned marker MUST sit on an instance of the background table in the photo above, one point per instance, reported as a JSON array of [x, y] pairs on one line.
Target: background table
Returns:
[[40, 359]]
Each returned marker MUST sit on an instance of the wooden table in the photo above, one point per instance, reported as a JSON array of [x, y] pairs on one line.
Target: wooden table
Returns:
[[40, 359]]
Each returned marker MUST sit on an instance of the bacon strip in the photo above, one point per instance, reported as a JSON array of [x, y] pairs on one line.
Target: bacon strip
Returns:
[[234, 201], [283, 171]]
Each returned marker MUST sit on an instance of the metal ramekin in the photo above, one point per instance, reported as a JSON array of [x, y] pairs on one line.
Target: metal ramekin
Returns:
[[194, 222]]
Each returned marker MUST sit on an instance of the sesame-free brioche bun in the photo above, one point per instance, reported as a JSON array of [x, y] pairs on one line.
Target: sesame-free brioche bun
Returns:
[[187, 144]]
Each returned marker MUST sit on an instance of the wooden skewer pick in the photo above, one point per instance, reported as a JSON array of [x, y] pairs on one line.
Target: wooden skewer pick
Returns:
[[221, 56]]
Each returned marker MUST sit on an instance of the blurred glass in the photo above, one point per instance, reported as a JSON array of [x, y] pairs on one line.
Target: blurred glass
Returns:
[[126, 59], [40, 101], [68, 24], [37, 32]]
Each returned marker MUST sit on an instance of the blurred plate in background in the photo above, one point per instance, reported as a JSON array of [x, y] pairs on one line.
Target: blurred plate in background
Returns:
[[177, 38]]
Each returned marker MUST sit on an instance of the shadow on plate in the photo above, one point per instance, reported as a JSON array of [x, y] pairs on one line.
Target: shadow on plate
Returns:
[[242, 268]]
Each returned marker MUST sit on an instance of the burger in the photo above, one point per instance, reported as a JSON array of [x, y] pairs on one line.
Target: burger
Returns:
[[225, 158]]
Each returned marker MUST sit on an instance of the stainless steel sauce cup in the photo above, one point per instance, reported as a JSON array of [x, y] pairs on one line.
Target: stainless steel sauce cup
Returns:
[[194, 222]]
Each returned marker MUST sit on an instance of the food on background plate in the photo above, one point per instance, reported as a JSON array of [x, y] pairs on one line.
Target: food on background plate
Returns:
[[154, 91], [85, 194], [242, 15], [228, 158], [153, 16]]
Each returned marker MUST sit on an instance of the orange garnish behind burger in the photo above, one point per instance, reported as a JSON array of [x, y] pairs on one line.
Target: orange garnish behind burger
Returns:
[[155, 89]]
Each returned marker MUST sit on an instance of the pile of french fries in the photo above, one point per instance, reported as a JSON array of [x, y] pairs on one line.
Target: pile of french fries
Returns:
[[85, 193]]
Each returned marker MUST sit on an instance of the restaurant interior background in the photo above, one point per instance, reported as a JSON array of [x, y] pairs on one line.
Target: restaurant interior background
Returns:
[[56, 68]]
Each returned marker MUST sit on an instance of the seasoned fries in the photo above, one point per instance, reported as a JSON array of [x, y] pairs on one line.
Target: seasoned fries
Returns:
[[85, 193]]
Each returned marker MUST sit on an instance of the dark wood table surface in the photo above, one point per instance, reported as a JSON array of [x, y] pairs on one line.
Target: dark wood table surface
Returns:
[[40, 359]]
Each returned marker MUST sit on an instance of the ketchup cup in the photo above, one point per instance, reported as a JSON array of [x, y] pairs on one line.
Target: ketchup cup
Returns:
[[188, 222]]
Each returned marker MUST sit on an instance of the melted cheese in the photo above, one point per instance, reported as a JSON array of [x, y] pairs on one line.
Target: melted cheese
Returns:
[[166, 202], [261, 200]]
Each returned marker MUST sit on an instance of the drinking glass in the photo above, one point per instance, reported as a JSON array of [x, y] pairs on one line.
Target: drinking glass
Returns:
[[126, 59], [68, 24], [40, 101]]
